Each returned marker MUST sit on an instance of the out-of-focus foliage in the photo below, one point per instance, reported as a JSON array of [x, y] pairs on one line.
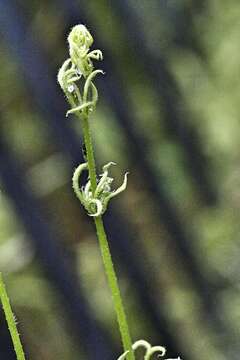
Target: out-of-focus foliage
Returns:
[[209, 88]]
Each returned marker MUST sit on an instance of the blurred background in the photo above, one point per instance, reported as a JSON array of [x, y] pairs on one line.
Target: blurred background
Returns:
[[169, 114]]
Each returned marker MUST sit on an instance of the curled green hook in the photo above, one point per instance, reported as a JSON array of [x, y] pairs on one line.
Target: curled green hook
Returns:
[[149, 350], [96, 202], [77, 67]]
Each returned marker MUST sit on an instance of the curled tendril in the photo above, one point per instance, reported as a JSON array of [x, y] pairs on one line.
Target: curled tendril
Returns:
[[80, 66], [96, 202], [87, 103], [149, 350]]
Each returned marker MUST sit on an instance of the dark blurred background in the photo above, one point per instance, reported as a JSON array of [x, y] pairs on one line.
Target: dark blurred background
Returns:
[[169, 114]]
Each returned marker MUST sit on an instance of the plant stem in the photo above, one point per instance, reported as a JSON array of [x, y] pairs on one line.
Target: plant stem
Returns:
[[105, 250], [11, 321], [113, 284], [90, 152]]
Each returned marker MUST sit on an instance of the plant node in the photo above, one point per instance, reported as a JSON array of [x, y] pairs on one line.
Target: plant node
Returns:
[[96, 202], [150, 350]]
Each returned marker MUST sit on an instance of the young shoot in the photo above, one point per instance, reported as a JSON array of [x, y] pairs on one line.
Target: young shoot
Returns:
[[76, 78]]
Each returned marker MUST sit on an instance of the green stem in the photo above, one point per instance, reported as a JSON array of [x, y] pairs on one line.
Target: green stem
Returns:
[[105, 250], [90, 153], [113, 284], [11, 321]]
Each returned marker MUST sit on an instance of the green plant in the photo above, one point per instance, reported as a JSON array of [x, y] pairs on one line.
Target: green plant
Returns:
[[11, 321], [77, 73]]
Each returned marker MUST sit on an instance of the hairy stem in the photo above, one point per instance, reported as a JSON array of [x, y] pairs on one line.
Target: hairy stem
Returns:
[[105, 250], [11, 321]]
